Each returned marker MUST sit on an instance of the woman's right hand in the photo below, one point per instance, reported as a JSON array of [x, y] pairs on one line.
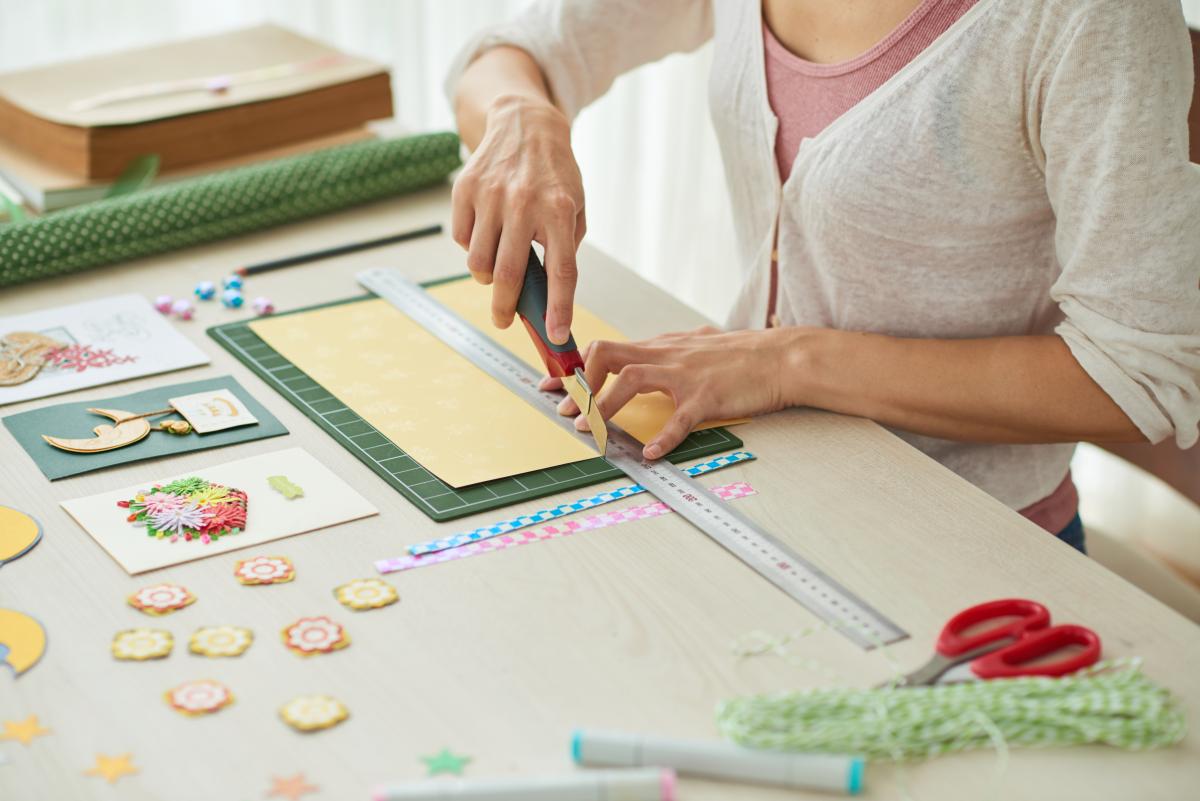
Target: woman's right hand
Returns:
[[522, 185]]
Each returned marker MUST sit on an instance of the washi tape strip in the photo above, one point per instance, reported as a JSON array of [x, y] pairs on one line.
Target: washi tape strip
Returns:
[[525, 521], [729, 492]]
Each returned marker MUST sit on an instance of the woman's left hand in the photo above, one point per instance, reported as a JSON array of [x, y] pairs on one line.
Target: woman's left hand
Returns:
[[709, 374]]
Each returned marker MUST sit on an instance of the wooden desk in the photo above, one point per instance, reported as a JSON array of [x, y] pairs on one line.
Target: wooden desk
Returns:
[[501, 656]]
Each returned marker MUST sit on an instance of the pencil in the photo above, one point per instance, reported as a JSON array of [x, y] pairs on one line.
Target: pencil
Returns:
[[339, 250]]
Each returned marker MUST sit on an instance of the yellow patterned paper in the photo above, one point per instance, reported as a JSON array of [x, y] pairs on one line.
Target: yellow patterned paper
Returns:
[[453, 419]]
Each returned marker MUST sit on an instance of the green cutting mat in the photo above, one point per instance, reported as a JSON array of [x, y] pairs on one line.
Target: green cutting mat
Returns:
[[430, 494]]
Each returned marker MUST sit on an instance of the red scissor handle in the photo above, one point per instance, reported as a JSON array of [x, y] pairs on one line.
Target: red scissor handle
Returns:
[[1030, 616], [1009, 662]]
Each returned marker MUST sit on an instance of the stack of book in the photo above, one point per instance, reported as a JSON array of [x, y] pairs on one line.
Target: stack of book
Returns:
[[68, 130]]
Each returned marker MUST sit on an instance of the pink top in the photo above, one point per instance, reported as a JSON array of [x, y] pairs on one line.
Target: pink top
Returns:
[[806, 97]]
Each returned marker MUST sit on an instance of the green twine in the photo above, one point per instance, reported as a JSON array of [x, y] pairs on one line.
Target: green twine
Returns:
[[223, 204], [1112, 703]]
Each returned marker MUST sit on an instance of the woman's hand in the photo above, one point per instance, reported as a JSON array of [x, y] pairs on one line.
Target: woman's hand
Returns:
[[710, 374], [522, 185]]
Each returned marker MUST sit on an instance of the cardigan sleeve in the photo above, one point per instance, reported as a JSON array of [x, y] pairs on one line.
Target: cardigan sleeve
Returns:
[[582, 46], [1111, 137]]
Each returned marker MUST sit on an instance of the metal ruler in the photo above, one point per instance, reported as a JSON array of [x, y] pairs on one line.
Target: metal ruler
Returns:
[[772, 559]]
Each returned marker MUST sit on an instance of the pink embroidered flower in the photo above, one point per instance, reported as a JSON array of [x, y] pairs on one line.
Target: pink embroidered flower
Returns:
[[313, 635], [82, 357], [264, 570], [160, 502], [199, 697]]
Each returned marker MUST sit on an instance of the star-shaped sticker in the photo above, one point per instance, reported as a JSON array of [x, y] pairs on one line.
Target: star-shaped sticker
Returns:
[[23, 730], [112, 769], [445, 762], [291, 788]]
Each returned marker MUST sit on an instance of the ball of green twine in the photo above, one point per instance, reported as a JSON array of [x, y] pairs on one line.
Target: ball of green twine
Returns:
[[1112, 703]]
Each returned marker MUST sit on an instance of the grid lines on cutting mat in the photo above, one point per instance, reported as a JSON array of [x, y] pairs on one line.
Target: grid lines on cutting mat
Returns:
[[430, 494]]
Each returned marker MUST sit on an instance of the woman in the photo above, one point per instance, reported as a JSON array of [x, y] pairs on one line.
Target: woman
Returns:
[[973, 221]]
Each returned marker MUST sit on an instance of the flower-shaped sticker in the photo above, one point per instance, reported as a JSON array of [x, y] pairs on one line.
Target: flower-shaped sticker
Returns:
[[312, 712], [140, 644], [199, 697], [368, 593], [161, 599], [264, 570], [220, 641], [315, 635]]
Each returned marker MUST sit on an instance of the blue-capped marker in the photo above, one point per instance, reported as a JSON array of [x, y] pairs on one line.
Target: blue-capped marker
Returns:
[[719, 760]]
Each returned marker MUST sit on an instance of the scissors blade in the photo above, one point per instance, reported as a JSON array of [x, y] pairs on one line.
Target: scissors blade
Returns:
[[931, 671]]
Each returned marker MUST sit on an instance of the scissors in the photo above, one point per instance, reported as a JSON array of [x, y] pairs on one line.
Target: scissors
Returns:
[[1004, 651]]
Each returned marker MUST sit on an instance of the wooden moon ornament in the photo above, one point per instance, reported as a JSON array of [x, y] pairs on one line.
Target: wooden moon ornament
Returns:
[[128, 430]]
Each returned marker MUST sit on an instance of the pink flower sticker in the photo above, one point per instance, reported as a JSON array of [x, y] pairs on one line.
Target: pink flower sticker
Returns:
[[199, 697], [161, 599], [315, 635], [264, 570]]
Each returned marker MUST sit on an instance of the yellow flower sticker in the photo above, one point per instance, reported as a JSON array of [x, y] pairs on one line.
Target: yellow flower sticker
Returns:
[[220, 641], [313, 712], [368, 593], [141, 644]]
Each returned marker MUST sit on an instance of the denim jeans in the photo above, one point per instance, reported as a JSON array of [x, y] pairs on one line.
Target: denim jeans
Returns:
[[1073, 535]]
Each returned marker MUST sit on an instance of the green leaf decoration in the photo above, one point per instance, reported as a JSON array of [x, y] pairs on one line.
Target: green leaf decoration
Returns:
[[286, 488], [136, 176]]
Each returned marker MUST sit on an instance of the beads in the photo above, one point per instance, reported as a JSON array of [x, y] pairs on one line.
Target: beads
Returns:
[[232, 282], [263, 306], [232, 298], [205, 290], [163, 304], [182, 309]]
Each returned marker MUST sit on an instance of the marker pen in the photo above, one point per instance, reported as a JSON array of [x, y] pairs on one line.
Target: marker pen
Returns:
[[720, 760], [634, 784]]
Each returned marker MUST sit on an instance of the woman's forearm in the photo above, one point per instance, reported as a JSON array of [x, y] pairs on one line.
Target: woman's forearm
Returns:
[[1002, 389], [497, 74]]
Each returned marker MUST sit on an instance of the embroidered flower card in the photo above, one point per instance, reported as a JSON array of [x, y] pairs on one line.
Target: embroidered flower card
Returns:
[[209, 511]]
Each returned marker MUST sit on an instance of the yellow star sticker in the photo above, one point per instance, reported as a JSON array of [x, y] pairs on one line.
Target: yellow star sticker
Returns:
[[23, 730], [112, 768]]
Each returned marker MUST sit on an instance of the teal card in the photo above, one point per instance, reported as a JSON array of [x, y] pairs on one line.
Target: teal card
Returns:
[[73, 420]]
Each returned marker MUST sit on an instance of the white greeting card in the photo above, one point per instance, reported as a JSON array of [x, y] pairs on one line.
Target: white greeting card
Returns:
[[216, 410], [270, 515], [66, 348]]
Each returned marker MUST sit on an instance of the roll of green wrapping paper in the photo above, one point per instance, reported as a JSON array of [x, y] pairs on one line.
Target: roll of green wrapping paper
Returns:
[[220, 205]]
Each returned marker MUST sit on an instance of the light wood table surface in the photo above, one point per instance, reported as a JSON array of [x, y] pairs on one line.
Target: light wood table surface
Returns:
[[501, 656]]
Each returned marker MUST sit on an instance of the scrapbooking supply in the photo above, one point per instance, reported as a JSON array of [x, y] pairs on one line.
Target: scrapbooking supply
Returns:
[[315, 635], [263, 306], [338, 250], [1112, 703], [112, 768], [719, 760], [163, 304], [232, 299], [286, 488], [161, 599], [19, 533], [762, 552], [128, 428], [202, 697], [23, 731], [183, 309], [264, 570], [635, 784], [213, 410], [23, 354], [220, 641], [369, 593], [223, 204], [138, 645], [729, 492], [445, 761], [205, 290], [544, 515], [189, 508], [290, 787], [22, 641], [232, 282], [313, 712]]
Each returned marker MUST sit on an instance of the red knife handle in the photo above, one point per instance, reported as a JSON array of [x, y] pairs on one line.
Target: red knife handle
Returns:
[[561, 360]]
